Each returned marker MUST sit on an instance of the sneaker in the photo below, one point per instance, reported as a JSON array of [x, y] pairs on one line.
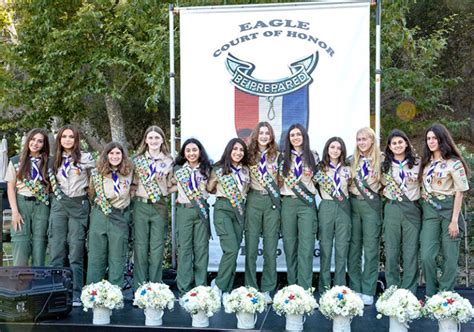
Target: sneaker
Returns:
[[215, 288], [76, 302], [268, 298], [367, 299]]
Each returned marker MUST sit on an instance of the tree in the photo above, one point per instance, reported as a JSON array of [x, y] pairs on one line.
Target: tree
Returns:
[[74, 59]]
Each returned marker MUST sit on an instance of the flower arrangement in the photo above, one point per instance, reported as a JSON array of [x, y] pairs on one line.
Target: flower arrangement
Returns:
[[294, 300], [101, 295], [449, 305], [201, 298], [341, 301], [154, 296], [400, 304], [244, 299]]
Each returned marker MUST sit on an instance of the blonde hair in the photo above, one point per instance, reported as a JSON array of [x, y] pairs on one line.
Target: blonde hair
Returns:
[[374, 152]]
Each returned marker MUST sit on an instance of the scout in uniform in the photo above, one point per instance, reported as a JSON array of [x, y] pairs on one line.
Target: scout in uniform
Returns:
[[110, 216], [299, 220], [263, 209], [402, 212], [28, 195], [230, 179], [444, 180], [152, 177], [334, 214], [366, 216], [191, 172], [69, 206]]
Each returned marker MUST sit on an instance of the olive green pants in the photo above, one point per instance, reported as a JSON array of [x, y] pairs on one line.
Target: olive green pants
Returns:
[[107, 245], [435, 237], [193, 249], [334, 224], [67, 236], [32, 238], [299, 225], [365, 235], [262, 220], [150, 230], [230, 234], [401, 231]]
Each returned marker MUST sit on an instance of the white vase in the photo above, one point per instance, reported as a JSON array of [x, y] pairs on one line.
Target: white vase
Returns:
[[153, 317], [396, 326], [101, 316], [200, 319], [341, 324], [294, 322], [448, 325], [245, 320]]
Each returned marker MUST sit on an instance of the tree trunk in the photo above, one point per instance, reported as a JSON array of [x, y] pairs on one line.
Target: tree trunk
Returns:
[[91, 135], [117, 128]]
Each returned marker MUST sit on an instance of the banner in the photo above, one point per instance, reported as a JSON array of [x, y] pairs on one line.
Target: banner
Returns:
[[302, 63]]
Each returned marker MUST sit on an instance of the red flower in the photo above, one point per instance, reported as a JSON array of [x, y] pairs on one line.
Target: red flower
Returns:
[[94, 292], [344, 291], [291, 297], [249, 295], [422, 303], [148, 288], [193, 294], [450, 301]]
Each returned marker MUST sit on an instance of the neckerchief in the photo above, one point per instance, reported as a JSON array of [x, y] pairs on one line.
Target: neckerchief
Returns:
[[327, 184], [365, 167], [100, 199], [193, 189], [371, 197], [401, 173], [238, 178], [116, 180], [35, 184], [336, 178], [429, 175], [267, 181], [233, 193], [297, 187], [35, 172], [298, 168], [152, 167], [150, 184], [66, 166], [262, 165]]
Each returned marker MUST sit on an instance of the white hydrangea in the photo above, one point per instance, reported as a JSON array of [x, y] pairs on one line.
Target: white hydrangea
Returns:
[[294, 300], [244, 299], [201, 298], [101, 295], [341, 301], [449, 305], [400, 304], [154, 296]]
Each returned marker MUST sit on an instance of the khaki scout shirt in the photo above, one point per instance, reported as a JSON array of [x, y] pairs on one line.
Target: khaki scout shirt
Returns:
[[77, 182], [272, 169], [306, 178], [214, 183], [122, 200], [163, 175], [449, 176], [372, 181], [344, 175], [10, 176], [412, 191], [201, 181]]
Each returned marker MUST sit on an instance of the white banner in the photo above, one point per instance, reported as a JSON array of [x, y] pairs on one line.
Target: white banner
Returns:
[[305, 62]]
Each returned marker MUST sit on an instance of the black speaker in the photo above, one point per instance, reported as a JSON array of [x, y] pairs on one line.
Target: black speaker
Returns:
[[32, 293]]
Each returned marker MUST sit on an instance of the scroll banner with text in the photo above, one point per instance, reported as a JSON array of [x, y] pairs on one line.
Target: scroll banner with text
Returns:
[[302, 63]]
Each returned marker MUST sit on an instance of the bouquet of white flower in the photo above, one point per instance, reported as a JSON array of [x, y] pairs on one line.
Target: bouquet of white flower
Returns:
[[341, 301], [154, 296], [101, 295], [244, 299], [449, 306], [400, 304], [201, 298], [294, 300]]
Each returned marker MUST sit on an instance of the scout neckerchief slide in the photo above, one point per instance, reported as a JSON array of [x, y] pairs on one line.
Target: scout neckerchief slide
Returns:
[[100, 199], [233, 194], [194, 193], [147, 177], [34, 184]]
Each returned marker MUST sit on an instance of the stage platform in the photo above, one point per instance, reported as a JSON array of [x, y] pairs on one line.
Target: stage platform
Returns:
[[132, 319]]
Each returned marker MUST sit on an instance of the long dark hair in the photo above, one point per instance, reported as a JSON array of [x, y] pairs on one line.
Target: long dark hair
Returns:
[[308, 158], [76, 149], [226, 161], [446, 145], [389, 156], [103, 165], [254, 152], [204, 163], [327, 159], [24, 171]]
